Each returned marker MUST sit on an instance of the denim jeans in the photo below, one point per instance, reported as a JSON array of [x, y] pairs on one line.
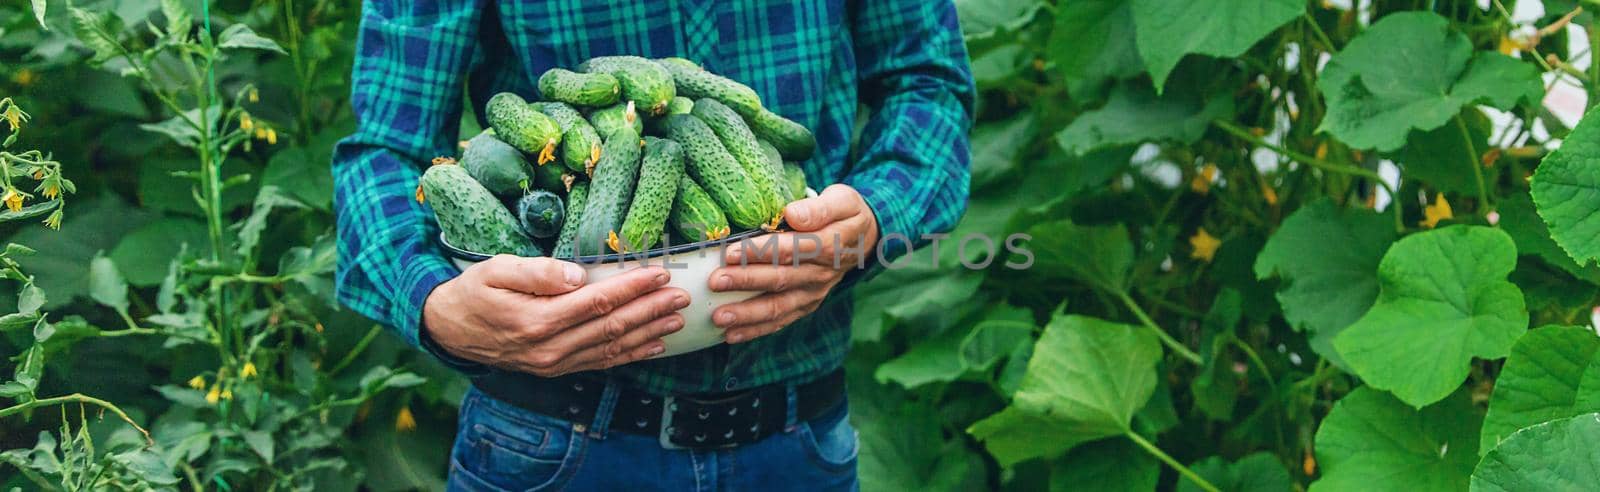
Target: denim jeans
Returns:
[[500, 447]]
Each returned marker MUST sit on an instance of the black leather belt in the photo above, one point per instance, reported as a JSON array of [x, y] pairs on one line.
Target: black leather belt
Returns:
[[699, 421]]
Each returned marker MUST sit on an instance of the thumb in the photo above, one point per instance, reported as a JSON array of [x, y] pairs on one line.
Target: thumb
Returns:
[[537, 276], [836, 203]]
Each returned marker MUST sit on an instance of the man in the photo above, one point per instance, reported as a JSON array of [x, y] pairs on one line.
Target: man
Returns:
[[561, 398]]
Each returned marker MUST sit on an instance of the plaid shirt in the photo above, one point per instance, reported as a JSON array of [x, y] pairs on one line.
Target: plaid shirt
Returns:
[[817, 62]]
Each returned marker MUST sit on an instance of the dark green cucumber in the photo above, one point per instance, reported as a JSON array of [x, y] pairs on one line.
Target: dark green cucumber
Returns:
[[659, 176], [742, 144], [551, 177], [576, 200], [680, 105], [579, 89], [470, 216], [696, 83], [580, 143], [695, 216], [775, 170], [610, 191], [793, 140], [522, 126], [797, 179], [644, 82], [496, 165], [608, 120], [541, 214], [715, 169]]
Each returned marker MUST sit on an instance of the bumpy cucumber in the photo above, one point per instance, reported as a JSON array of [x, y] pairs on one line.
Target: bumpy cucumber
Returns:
[[715, 169], [775, 171], [695, 216], [576, 200], [793, 140], [643, 81], [652, 198], [496, 165], [608, 120], [680, 105], [541, 214], [797, 179], [580, 143], [579, 89], [610, 190], [551, 177], [742, 144], [522, 126], [696, 83], [470, 216]]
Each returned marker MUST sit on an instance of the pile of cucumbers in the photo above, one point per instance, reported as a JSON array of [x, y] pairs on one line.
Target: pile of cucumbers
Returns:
[[615, 156]]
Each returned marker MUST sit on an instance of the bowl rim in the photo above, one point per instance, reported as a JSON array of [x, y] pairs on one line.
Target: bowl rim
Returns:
[[604, 259]]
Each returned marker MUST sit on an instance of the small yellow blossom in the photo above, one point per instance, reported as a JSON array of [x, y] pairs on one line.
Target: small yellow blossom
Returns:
[[1205, 246], [1322, 150], [245, 123], [24, 77], [255, 96], [1508, 46], [272, 137], [318, 326], [248, 370], [1432, 214], [53, 221], [227, 394], [405, 421], [14, 115], [51, 191], [1202, 181], [1267, 193], [214, 394], [13, 200], [1309, 465], [261, 134], [197, 382]]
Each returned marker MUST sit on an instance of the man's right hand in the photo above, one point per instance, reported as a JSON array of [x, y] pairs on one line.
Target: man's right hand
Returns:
[[536, 315]]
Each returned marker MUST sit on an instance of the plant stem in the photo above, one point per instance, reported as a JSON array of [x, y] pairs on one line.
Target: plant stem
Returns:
[[1256, 359], [77, 398], [1394, 197], [361, 346], [1166, 339], [1160, 455], [1477, 167], [1316, 29]]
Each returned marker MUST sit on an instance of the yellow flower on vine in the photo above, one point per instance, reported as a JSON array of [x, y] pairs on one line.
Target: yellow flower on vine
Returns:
[[1432, 214], [245, 123], [248, 370], [1205, 246], [51, 191], [53, 221], [13, 115], [197, 382], [227, 394], [24, 77], [405, 421], [255, 96], [272, 137], [13, 200], [214, 394], [1202, 182]]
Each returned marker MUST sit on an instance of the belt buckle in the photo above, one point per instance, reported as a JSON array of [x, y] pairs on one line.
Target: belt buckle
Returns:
[[664, 432]]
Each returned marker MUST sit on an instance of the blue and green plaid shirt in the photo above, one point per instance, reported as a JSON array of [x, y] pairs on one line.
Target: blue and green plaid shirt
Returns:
[[901, 64]]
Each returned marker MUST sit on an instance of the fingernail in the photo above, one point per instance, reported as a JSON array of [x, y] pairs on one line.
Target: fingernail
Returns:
[[724, 318], [657, 350], [661, 278], [674, 324], [735, 338], [574, 274], [723, 282], [680, 301], [798, 214]]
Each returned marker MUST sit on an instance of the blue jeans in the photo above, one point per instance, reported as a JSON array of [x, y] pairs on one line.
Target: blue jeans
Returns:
[[500, 447]]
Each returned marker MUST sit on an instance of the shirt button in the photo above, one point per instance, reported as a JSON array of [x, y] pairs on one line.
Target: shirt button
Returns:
[[730, 384]]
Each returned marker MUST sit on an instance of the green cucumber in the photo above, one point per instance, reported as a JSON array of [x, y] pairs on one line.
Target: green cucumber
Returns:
[[742, 144], [643, 81], [576, 200], [608, 120], [580, 143], [470, 216], [522, 126], [551, 177], [775, 170], [797, 179], [541, 214], [659, 176], [697, 83], [680, 105], [695, 216], [715, 169], [579, 89], [496, 165], [610, 191], [793, 140]]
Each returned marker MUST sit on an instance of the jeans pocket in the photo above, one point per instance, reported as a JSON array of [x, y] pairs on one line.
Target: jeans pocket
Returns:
[[830, 442], [501, 448]]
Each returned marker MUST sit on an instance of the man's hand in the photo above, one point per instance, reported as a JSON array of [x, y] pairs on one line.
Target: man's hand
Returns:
[[834, 231], [536, 315]]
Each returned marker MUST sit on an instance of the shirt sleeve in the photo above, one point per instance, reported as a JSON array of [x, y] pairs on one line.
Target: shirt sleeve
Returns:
[[411, 62], [913, 164]]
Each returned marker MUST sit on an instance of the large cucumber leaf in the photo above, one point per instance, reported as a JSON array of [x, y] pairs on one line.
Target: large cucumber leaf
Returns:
[[1552, 373], [1169, 29], [1558, 455], [1373, 442], [1566, 191], [1258, 472]]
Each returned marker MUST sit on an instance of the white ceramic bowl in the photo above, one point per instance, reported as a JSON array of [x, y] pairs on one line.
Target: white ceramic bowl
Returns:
[[690, 265]]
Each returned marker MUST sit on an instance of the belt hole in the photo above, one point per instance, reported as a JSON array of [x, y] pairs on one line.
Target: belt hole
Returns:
[[645, 401], [577, 387], [573, 409], [733, 411], [642, 423], [755, 404]]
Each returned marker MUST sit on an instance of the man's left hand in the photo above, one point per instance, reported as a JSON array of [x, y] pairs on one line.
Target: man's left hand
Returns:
[[832, 234]]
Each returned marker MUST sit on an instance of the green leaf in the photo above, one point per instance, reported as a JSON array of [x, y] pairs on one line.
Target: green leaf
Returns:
[[1558, 455], [1566, 190], [995, 146], [1100, 256], [1377, 94], [929, 361], [1086, 380], [144, 254], [997, 65], [304, 174], [1439, 157], [30, 299], [94, 31], [1169, 29], [62, 265], [1519, 219], [1216, 388], [38, 13], [1110, 465], [1443, 300], [1093, 44], [268, 199], [30, 211], [1552, 373], [992, 340], [982, 18], [903, 445], [907, 292], [260, 442], [243, 37], [1371, 441], [1258, 472], [106, 285], [1326, 292], [1135, 114], [184, 129]]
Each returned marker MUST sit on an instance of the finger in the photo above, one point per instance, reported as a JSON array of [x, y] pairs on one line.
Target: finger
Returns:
[[836, 203], [768, 278], [779, 249], [751, 332], [601, 298], [537, 276], [637, 345], [625, 320], [762, 308]]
